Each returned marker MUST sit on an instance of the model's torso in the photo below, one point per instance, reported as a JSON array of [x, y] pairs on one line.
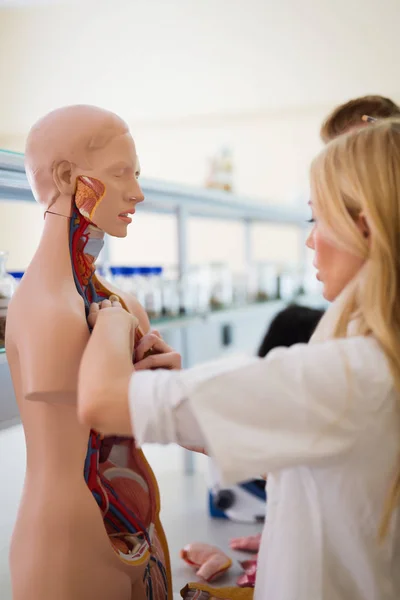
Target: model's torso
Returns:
[[118, 502]]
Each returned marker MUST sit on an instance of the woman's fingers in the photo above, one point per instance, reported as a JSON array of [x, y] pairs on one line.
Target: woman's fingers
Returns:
[[115, 301], [94, 308], [170, 360], [151, 343], [111, 302], [93, 312]]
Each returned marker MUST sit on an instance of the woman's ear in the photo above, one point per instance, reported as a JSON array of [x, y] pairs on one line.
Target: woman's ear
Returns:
[[363, 226], [63, 175]]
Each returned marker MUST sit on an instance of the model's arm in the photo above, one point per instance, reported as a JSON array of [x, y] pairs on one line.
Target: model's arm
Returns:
[[49, 367]]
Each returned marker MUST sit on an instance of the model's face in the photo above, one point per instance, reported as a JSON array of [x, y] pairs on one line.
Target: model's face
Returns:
[[107, 195], [335, 267]]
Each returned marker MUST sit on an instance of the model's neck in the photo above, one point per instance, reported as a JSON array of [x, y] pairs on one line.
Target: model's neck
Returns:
[[56, 244], [54, 247], [95, 242]]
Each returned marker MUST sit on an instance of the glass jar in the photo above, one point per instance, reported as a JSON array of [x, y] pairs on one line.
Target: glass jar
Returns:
[[188, 289], [240, 289], [203, 288], [151, 277], [7, 288], [266, 286], [122, 278], [222, 287], [170, 292], [290, 284], [130, 280]]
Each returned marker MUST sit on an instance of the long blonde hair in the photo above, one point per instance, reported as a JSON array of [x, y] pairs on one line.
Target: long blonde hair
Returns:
[[358, 175]]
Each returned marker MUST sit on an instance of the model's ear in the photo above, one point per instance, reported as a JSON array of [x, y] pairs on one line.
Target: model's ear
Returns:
[[64, 177]]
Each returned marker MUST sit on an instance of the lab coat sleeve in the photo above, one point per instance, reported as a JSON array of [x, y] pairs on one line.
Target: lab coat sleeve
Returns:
[[303, 405], [159, 402]]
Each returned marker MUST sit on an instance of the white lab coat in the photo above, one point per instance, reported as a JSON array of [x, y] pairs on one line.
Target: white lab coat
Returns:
[[322, 420]]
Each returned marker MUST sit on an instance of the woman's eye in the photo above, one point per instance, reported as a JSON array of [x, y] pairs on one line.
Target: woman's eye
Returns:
[[137, 174], [312, 220]]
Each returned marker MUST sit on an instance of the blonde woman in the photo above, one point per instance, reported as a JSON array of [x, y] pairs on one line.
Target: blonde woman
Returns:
[[323, 419]]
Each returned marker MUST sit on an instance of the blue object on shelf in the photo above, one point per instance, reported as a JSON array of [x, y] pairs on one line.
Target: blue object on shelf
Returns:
[[125, 271], [16, 274], [147, 271]]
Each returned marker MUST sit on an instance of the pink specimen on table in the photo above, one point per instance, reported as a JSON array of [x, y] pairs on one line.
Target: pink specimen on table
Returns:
[[248, 579], [249, 543], [209, 561]]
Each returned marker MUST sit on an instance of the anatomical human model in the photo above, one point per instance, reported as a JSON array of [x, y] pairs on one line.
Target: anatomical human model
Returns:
[[88, 525]]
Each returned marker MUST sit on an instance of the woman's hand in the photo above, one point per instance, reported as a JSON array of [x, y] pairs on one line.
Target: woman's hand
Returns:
[[112, 309], [153, 353], [106, 370]]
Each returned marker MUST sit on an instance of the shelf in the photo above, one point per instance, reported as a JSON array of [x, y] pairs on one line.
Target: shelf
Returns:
[[262, 313], [164, 197], [239, 312], [218, 316], [228, 314]]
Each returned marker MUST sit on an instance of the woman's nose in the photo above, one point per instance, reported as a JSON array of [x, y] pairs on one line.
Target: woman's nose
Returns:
[[310, 240]]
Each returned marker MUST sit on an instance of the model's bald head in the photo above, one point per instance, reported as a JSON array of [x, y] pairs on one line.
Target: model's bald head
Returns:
[[69, 134]]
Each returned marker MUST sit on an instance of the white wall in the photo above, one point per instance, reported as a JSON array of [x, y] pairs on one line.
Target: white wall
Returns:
[[20, 229], [151, 59], [190, 78], [152, 240], [271, 150]]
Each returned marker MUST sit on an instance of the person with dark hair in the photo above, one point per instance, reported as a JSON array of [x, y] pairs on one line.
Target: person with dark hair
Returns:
[[349, 115], [293, 325]]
